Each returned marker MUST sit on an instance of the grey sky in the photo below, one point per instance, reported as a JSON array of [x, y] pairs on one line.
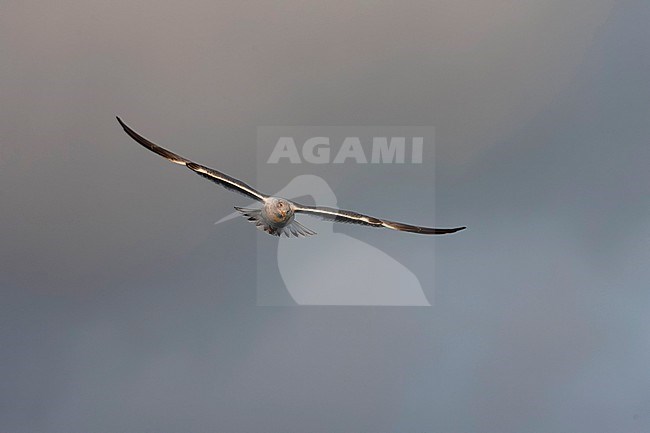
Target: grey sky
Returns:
[[125, 309]]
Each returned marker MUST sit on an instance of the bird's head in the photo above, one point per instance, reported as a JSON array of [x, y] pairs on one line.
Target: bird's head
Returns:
[[279, 210]]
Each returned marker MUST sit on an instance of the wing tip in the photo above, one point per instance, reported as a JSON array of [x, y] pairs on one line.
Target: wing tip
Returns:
[[421, 230], [128, 129], [450, 231]]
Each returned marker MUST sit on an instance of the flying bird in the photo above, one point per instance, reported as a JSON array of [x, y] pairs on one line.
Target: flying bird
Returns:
[[277, 215]]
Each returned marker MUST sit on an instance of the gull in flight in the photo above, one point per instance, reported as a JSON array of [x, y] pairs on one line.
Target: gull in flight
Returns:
[[277, 215]]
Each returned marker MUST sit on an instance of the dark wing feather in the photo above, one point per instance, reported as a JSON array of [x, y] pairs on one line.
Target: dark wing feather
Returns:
[[346, 216], [215, 176]]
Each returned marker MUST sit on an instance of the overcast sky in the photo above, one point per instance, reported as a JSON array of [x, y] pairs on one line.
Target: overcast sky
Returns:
[[125, 309]]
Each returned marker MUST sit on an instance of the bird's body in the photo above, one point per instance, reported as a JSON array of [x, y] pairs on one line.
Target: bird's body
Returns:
[[277, 215]]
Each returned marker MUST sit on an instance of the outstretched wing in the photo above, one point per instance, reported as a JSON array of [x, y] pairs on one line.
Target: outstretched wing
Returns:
[[346, 216], [215, 176]]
